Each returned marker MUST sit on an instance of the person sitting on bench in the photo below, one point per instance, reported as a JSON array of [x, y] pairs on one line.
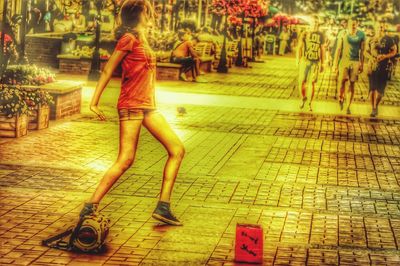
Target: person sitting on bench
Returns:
[[184, 54]]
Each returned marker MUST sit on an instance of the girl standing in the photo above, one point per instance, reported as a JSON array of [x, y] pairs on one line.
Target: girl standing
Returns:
[[136, 107]]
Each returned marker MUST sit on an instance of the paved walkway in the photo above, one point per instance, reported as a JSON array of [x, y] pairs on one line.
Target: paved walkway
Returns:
[[324, 186]]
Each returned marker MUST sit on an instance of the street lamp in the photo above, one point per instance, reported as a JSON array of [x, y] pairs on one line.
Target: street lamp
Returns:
[[239, 60], [24, 10], [339, 4], [253, 33], [199, 11], [163, 15], [352, 7], [222, 65], [95, 72]]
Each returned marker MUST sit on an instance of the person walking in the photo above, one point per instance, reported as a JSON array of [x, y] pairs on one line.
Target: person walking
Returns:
[[270, 40], [283, 41], [349, 60], [310, 59], [380, 50], [136, 107]]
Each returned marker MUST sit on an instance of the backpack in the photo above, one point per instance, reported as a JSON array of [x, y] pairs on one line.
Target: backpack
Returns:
[[87, 236]]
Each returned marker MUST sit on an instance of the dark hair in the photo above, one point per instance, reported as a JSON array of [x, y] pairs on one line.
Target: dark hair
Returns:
[[130, 15], [181, 33]]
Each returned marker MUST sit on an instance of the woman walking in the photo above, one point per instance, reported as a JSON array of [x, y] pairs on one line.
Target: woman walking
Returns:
[[136, 107], [380, 49]]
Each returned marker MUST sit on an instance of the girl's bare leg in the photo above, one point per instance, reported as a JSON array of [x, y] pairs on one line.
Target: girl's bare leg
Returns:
[[129, 136], [162, 131]]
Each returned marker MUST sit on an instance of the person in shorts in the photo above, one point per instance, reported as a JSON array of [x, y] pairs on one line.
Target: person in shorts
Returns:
[[349, 60], [310, 59], [136, 107], [381, 49], [184, 53]]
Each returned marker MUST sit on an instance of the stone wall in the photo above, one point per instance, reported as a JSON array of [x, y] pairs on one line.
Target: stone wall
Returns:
[[75, 65], [43, 51], [66, 104]]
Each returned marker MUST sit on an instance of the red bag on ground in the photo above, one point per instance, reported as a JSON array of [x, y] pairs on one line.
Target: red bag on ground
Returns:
[[249, 243]]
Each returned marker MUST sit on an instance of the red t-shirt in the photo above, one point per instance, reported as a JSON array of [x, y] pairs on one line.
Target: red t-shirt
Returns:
[[138, 74]]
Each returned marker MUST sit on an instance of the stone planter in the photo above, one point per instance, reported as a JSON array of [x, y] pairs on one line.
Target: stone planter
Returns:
[[39, 118], [67, 97], [13, 127]]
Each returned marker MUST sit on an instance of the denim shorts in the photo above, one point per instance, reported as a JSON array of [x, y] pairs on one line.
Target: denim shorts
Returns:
[[135, 113]]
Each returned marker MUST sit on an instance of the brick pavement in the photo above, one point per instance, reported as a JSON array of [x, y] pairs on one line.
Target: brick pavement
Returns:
[[325, 188], [277, 78]]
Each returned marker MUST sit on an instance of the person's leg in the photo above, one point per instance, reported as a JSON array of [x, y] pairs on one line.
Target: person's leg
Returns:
[[129, 136], [353, 77], [303, 75], [197, 62], [379, 97], [312, 95], [372, 96], [342, 78], [187, 65], [351, 89], [161, 130], [342, 82], [374, 100], [314, 76]]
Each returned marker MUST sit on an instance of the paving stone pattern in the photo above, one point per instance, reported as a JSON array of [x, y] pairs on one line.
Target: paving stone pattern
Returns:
[[326, 189], [278, 78]]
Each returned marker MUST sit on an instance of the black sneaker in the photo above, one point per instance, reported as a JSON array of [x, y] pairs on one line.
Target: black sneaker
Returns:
[[348, 111], [163, 214], [88, 209], [374, 113]]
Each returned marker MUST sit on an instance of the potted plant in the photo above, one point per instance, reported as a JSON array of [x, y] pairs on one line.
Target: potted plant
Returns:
[[27, 75], [13, 113], [38, 102]]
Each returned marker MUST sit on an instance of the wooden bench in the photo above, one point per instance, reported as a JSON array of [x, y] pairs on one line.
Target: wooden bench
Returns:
[[168, 71], [203, 49], [231, 53], [171, 71]]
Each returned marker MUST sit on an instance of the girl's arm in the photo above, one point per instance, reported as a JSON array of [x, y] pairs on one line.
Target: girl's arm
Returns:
[[105, 77]]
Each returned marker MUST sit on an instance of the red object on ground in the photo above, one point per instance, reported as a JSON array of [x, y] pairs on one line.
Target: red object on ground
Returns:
[[249, 243]]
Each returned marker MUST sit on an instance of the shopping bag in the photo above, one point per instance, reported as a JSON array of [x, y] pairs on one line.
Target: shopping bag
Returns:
[[249, 243]]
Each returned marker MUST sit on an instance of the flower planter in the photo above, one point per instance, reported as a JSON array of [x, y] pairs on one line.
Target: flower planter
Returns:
[[14, 127], [39, 118]]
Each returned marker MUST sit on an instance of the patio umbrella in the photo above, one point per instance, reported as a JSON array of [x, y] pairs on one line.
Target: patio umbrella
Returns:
[[273, 10]]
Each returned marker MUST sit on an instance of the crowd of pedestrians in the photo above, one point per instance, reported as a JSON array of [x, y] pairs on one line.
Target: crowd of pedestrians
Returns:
[[347, 48]]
